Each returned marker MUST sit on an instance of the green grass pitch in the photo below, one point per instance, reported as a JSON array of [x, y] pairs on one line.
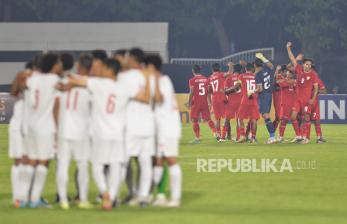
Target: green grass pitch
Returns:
[[303, 196]]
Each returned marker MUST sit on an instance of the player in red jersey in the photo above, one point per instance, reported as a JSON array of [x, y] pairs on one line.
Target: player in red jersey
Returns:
[[216, 89], [315, 116], [199, 102], [306, 81], [288, 95], [234, 100], [276, 95], [249, 105]]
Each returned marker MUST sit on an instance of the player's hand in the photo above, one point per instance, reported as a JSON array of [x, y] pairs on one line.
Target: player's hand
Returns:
[[250, 93], [63, 87], [278, 67], [300, 57], [187, 105], [243, 62], [259, 55], [310, 102], [230, 64], [289, 44]]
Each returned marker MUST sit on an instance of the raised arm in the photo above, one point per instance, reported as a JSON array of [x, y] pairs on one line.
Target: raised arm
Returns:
[[266, 61], [291, 55]]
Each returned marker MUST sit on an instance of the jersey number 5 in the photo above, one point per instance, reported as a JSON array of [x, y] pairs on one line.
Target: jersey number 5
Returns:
[[111, 103], [202, 89]]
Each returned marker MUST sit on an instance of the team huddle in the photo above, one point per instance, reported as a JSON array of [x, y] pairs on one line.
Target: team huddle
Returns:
[[112, 112], [247, 92]]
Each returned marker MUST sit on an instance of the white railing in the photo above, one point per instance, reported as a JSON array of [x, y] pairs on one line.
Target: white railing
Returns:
[[248, 56]]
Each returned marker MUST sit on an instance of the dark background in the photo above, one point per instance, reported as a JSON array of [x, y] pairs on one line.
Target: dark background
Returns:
[[216, 28]]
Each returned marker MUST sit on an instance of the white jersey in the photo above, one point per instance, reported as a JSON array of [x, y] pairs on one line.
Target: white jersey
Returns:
[[41, 96], [109, 102], [167, 116], [74, 112], [17, 115], [140, 116]]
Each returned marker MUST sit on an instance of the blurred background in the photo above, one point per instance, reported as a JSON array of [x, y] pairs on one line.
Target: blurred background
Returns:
[[215, 29]]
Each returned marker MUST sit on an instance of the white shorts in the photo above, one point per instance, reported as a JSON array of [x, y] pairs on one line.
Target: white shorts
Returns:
[[140, 146], [167, 147], [107, 151], [78, 150], [40, 147], [15, 144]]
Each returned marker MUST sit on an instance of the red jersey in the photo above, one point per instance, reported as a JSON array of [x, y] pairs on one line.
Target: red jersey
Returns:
[[288, 93], [199, 83], [321, 86], [305, 82], [216, 83], [231, 81], [247, 84]]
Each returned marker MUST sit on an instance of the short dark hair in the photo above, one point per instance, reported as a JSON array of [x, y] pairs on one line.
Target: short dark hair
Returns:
[[307, 59], [238, 68], [249, 67], [154, 60], [196, 69], [37, 61], [29, 65], [113, 64], [99, 54], [67, 60], [258, 62], [121, 52], [48, 61], [86, 61], [138, 54], [216, 67]]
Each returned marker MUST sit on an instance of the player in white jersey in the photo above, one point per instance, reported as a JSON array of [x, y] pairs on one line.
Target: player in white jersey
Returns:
[[41, 127], [139, 126], [73, 136], [110, 98], [16, 143], [168, 133]]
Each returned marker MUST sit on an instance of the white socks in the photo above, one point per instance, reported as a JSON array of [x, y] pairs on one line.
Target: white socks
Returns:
[[15, 181], [146, 174], [175, 182], [157, 174], [26, 173], [83, 180], [62, 179], [115, 179], [99, 177], [39, 182]]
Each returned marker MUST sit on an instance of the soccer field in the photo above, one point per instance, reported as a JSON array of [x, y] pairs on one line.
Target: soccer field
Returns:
[[311, 195]]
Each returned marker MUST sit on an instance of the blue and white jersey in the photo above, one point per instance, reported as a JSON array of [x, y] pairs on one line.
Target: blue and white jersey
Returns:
[[266, 78]]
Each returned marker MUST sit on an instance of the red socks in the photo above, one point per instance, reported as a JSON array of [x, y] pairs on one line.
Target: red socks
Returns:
[[196, 129]]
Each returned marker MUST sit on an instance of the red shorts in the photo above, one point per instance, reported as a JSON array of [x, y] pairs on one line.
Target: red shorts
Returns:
[[218, 106], [315, 112], [300, 107], [248, 112], [286, 110], [196, 110], [231, 110]]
